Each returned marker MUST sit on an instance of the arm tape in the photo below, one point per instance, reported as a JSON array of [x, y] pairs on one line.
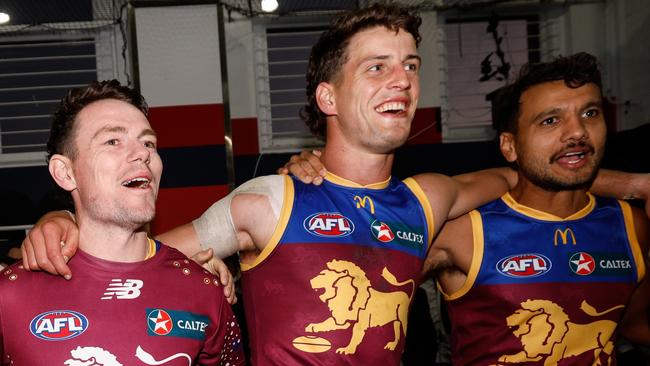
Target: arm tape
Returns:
[[215, 227]]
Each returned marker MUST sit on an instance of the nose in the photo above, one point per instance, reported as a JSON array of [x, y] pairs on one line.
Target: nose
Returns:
[[140, 153], [399, 78], [575, 129]]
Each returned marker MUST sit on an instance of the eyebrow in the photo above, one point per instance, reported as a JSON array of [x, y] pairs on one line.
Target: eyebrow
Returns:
[[120, 129], [552, 111], [386, 57]]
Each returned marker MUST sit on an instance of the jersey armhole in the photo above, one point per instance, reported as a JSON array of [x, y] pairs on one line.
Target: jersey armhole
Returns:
[[477, 258], [635, 247], [413, 185], [283, 220]]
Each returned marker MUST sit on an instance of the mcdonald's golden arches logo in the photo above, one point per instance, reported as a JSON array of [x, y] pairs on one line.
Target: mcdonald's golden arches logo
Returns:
[[564, 236], [361, 202]]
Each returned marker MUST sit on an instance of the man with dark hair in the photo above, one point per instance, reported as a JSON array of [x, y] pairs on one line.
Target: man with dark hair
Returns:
[[547, 270], [329, 272], [133, 299]]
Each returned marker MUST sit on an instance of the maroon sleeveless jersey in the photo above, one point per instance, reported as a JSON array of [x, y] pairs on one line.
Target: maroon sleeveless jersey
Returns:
[[334, 285], [166, 310]]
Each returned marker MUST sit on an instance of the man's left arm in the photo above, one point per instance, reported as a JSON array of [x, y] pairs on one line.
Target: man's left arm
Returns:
[[635, 324], [612, 183], [451, 197]]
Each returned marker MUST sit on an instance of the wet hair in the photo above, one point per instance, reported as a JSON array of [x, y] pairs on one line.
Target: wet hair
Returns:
[[329, 54], [576, 71], [62, 131]]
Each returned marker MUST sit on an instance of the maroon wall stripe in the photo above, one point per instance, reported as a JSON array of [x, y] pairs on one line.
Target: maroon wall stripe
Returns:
[[188, 125], [425, 128], [244, 136], [177, 206]]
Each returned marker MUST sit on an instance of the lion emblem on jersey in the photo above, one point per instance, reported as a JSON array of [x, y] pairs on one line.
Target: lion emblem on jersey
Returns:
[[546, 333], [91, 356], [353, 301]]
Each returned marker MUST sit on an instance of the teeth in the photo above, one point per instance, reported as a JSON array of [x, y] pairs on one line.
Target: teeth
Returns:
[[574, 153], [141, 182], [391, 106]]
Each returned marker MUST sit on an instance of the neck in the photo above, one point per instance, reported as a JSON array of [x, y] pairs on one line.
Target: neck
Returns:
[[560, 203], [358, 166], [112, 243]]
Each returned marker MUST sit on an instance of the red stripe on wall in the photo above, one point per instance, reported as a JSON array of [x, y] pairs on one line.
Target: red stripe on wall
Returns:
[[188, 125], [424, 129], [177, 206], [244, 136]]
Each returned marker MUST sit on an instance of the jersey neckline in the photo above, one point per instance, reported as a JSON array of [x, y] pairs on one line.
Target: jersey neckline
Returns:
[[541, 215], [333, 178]]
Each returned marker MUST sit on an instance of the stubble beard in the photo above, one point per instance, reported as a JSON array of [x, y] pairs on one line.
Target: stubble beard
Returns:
[[544, 178], [121, 216]]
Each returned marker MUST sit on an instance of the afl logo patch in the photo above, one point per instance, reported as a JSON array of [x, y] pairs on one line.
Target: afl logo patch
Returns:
[[329, 224], [524, 265], [58, 325]]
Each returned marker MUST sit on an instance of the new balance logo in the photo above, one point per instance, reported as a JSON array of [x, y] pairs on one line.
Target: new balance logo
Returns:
[[129, 289]]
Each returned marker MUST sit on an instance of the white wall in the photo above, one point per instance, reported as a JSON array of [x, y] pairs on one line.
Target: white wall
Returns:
[[178, 55], [241, 67]]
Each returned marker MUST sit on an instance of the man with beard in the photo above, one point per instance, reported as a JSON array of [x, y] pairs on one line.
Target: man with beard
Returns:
[[133, 299], [546, 271]]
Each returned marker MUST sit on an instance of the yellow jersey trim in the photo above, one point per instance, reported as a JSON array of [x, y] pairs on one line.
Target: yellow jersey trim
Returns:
[[151, 248], [635, 247], [541, 215], [283, 220], [426, 206], [348, 183], [477, 257]]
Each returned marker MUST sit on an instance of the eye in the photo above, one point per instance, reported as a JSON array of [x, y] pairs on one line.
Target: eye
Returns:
[[591, 113], [549, 121], [375, 68], [112, 142], [411, 67], [150, 144]]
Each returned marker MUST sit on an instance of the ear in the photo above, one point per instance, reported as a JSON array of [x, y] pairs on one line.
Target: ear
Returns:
[[325, 98], [507, 145], [61, 170]]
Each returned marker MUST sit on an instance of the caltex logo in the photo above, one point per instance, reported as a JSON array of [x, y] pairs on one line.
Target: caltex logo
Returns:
[[160, 322], [582, 263], [381, 231], [58, 325]]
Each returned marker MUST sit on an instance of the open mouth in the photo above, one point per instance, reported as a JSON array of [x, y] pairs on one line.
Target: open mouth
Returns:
[[391, 107], [139, 182], [572, 157]]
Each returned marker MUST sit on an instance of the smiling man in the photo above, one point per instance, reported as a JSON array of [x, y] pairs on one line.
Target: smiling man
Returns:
[[133, 299], [548, 270]]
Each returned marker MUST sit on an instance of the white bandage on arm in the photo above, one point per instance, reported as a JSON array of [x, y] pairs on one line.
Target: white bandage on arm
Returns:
[[215, 227]]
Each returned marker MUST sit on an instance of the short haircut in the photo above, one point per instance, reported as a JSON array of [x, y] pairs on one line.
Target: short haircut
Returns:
[[576, 71], [62, 132], [329, 54]]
